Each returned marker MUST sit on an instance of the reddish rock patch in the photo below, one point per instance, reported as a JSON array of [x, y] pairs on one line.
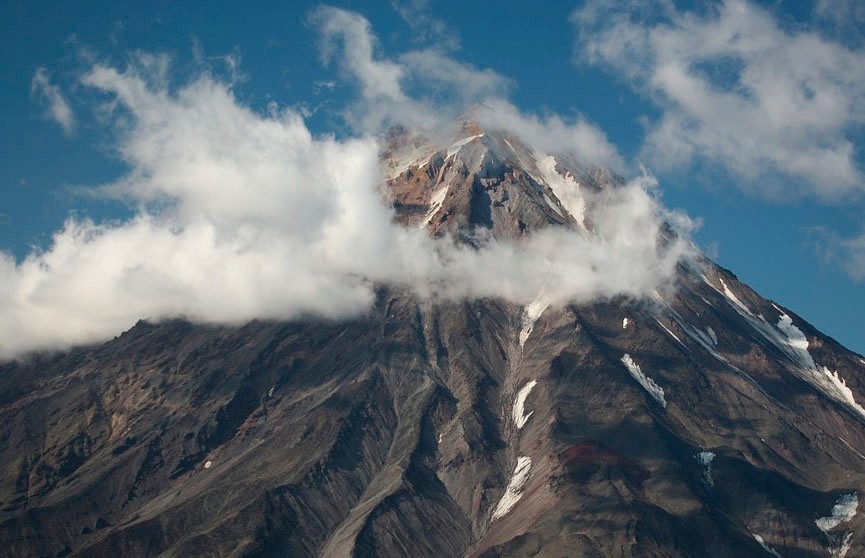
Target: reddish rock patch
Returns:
[[587, 458]]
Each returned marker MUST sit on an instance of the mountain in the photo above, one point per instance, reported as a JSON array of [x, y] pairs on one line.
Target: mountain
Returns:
[[702, 421]]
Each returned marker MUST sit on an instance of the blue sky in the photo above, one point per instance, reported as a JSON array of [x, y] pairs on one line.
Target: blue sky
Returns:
[[750, 114]]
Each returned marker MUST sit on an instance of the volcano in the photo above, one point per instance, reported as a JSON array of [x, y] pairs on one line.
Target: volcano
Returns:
[[703, 420]]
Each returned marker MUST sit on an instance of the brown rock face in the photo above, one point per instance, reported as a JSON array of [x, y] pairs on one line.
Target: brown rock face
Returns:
[[483, 183], [448, 429]]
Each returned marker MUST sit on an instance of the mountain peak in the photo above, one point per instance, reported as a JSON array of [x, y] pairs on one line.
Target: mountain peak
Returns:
[[486, 179]]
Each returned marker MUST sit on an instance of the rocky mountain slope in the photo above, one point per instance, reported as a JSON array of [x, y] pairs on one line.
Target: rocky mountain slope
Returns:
[[705, 421]]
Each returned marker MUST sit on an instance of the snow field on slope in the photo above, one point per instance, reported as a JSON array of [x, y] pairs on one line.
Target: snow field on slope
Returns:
[[673, 335], [530, 315], [731, 296], [565, 188], [455, 148], [435, 204], [648, 383], [843, 510], [793, 343], [705, 459], [519, 411], [765, 546], [514, 491]]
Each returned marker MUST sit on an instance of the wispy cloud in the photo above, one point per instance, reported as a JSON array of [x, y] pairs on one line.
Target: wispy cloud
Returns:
[[847, 254], [847, 17], [427, 28], [429, 89], [50, 96], [348, 36], [773, 107], [552, 133]]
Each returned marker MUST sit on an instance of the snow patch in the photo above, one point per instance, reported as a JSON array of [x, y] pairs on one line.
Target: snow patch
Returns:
[[795, 344], [530, 315], [673, 335], [765, 546], [709, 343], [514, 491], [731, 296], [435, 204], [712, 335], [625, 323], [648, 383], [843, 510], [565, 188], [400, 163], [705, 459], [455, 148], [840, 545], [795, 337], [552, 205], [708, 340], [519, 411]]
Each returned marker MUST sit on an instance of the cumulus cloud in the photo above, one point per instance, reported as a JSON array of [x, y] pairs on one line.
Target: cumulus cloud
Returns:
[[245, 214], [49, 95], [737, 90]]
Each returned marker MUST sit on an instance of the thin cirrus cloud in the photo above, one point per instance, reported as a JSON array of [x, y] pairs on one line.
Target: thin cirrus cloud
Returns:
[[848, 254], [52, 99], [418, 15], [734, 89], [246, 215]]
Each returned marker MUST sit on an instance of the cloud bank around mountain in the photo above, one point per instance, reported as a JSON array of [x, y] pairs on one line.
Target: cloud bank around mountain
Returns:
[[244, 214]]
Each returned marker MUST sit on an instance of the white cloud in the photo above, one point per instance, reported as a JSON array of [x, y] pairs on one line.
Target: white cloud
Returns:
[[846, 253], [378, 78], [736, 89], [49, 95], [420, 89], [854, 259], [418, 14], [845, 16], [551, 133], [427, 90], [248, 215]]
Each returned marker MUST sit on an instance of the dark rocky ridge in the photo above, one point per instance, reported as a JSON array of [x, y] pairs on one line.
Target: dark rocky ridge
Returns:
[[394, 434]]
